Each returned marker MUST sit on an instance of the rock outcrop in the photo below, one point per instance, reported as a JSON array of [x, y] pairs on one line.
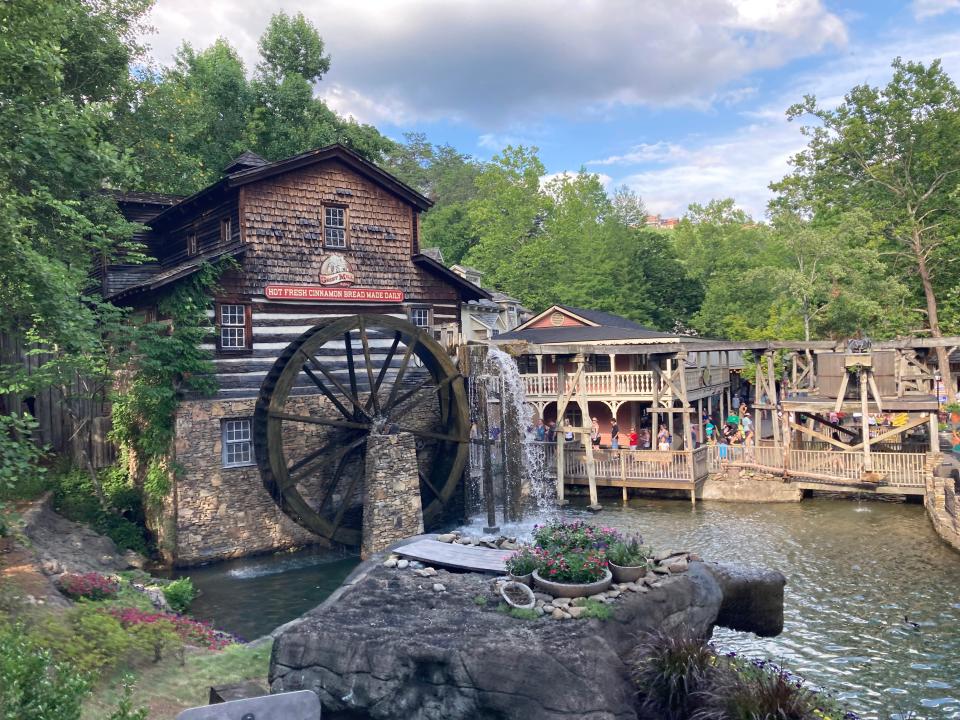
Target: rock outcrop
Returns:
[[388, 645]]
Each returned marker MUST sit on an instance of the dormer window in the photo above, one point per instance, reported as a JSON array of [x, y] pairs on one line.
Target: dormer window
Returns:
[[225, 231], [191, 244]]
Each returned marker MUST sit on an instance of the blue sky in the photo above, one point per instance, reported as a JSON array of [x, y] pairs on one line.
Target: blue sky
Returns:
[[682, 100]]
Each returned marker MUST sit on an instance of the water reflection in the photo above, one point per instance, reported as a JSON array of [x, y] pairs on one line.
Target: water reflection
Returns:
[[855, 572], [252, 596]]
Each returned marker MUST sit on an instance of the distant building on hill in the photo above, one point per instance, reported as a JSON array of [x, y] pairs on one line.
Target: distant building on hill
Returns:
[[656, 221]]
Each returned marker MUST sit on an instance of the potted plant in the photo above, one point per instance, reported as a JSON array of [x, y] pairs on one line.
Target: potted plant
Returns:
[[572, 573], [627, 560], [562, 535], [954, 410], [521, 564]]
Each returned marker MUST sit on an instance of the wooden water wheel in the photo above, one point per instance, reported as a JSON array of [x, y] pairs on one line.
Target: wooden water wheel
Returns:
[[329, 390]]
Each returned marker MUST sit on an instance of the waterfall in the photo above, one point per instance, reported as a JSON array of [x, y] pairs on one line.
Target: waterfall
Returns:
[[521, 488]]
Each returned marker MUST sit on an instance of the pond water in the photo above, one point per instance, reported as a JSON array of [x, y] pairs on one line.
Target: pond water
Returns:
[[854, 570], [250, 597]]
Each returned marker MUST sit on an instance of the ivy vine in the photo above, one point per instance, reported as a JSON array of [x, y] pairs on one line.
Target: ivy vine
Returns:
[[169, 361]]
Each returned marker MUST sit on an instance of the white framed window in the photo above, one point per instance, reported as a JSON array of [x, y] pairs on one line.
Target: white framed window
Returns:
[[192, 244], [237, 442], [334, 227], [233, 327], [225, 231], [420, 317]]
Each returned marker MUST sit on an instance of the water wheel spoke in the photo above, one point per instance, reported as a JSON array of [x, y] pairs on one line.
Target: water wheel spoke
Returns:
[[400, 373], [430, 434], [375, 392], [308, 461], [420, 386], [312, 420], [334, 481], [351, 369], [426, 480], [339, 385], [326, 392], [365, 341], [345, 503]]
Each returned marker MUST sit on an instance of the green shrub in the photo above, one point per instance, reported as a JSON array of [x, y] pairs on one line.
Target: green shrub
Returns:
[[628, 552], [179, 594], [125, 710], [21, 476], [157, 637], [669, 669], [32, 684], [88, 638], [522, 562], [480, 601], [75, 499]]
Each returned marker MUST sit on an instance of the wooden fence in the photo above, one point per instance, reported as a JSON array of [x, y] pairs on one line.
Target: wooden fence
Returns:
[[647, 465], [73, 420]]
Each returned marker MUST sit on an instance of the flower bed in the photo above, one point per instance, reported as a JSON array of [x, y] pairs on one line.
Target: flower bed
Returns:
[[92, 586], [192, 632]]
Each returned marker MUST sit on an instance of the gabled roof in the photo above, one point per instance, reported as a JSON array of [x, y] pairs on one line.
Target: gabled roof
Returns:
[[244, 161], [467, 288], [595, 325], [331, 152]]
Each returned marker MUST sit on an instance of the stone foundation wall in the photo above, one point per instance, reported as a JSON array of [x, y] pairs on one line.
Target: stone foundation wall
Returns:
[[216, 513], [743, 485], [391, 507], [942, 505]]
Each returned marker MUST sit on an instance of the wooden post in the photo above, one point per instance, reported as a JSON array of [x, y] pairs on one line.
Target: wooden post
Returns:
[[488, 496], [588, 445], [655, 407], [772, 394], [561, 386], [701, 438], [670, 416], [685, 405], [934, 433], [623, 474], [865, 420]]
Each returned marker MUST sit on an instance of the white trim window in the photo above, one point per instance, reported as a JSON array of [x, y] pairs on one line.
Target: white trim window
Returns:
[[334, 227], [233, 327], [237, 442], [420, 316]]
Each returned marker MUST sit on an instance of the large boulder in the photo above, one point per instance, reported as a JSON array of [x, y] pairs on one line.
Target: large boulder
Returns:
[[389, 645]]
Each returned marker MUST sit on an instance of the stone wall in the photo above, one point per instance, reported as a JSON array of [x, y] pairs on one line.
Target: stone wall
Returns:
[[942, 505], [391, 506], [215, 513], [744, 485]]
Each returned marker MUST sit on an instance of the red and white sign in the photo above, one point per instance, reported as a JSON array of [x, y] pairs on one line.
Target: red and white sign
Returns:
[[335, 270], [318, 293]]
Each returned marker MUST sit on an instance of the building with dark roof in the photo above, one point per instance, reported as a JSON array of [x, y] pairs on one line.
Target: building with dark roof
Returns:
[[622, 367]]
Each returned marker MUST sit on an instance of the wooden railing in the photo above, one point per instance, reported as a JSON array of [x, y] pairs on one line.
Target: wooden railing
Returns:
[[632, 383], [891, 469], [674, 466]]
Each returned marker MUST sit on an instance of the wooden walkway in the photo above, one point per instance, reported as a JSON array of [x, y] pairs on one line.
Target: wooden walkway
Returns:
[[461, 557]]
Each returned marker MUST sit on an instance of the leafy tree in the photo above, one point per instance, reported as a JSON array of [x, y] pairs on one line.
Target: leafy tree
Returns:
[[628, 207], [292, 46], [894, 151]]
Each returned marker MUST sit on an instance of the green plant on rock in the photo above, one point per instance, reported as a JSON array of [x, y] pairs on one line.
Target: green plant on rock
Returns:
[[179, 594], [669, 669], [596, 610], [90, 640]]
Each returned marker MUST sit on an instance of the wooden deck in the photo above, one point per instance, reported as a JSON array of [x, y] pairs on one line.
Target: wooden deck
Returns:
[[461, 557]]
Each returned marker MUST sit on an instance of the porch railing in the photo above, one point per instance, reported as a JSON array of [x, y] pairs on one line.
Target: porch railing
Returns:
[[620, 383]]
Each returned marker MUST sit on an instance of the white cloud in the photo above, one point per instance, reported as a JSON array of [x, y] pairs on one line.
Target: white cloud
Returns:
[[923, 9], [742, 163], [496, 62]]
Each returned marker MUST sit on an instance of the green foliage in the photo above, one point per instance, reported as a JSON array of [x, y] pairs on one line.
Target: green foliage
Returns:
[[34, 685], [518, 613], [522, 562], [125, 709], [88, 638], [20, 473], [596, 610], [156, 638], [180, 593], [668, 670], [628, 552], [120, 518], [480, 600]]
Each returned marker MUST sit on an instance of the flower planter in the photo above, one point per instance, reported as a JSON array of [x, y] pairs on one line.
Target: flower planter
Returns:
[[572, 590], [512, 591], [523, 579], [627, 573]]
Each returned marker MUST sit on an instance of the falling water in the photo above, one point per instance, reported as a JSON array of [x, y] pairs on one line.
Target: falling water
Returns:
[[521, 466]]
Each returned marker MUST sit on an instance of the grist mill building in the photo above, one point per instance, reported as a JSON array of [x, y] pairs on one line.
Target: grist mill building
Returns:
[[319, 235]]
